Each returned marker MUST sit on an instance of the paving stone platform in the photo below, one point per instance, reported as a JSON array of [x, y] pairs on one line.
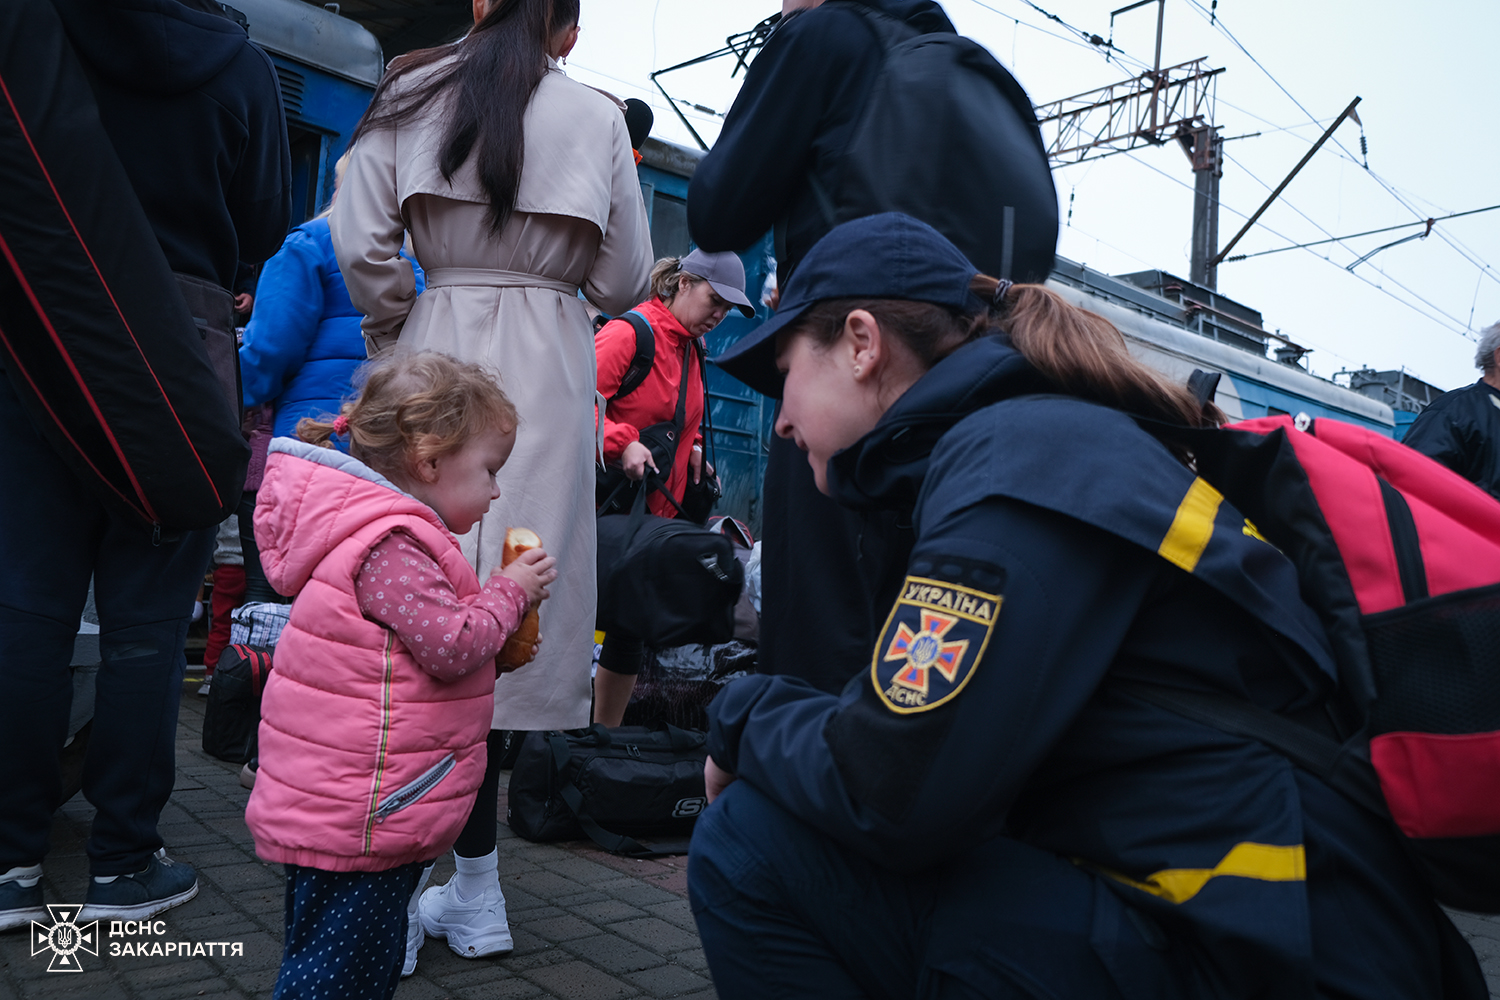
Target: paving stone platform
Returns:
[[587, 925]]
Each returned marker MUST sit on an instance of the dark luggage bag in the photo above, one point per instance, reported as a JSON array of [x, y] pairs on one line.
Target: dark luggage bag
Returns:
[[668, 581], [612, 786], [233, 715]]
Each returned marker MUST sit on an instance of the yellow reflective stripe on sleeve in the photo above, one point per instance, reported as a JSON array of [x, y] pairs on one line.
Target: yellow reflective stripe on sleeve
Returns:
[[1265, 862], [1192, 527]]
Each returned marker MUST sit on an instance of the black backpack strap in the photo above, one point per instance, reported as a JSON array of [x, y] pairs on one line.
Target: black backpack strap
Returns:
[[1410, 567], [708, 420], [655, 483], [680, 417], [644, 358], [1344, 767]]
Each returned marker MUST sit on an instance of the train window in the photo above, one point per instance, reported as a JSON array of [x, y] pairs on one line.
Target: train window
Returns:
[[307, 156], [669, 227]]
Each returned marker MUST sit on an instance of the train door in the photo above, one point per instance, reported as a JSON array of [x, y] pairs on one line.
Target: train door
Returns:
[[321, 112]]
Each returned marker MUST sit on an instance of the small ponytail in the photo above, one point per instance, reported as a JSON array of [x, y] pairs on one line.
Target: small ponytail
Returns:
[[321, 431]]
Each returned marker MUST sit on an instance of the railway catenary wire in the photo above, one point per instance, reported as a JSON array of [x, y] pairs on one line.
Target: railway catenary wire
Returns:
[[1218, 24], [1178, 181]]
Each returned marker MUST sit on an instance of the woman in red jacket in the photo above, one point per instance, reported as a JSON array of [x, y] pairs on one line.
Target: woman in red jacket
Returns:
[[689, 297]]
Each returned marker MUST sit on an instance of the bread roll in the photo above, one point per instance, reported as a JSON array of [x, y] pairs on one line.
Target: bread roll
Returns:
[[517, 649], [518, 540]]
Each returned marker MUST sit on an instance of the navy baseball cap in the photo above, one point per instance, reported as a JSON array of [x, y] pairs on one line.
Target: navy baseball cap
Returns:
[[886, 256]]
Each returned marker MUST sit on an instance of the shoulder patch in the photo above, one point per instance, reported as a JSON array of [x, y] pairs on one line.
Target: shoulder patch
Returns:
[[932, 642]]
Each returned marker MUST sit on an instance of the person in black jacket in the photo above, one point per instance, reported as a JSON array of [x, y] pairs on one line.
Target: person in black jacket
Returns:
[[778, 163], [996, 806], [1461, 428], [193, 111]]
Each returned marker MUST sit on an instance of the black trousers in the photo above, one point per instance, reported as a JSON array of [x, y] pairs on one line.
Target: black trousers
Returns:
[[54, 535]]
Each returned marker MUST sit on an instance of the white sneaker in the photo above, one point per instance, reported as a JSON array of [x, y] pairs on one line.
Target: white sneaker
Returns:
[[473, 928], [415, 937]]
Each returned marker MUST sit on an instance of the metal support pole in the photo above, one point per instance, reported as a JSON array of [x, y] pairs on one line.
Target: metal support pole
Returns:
[[1282, 186], [1161, 17], [1208, 167]]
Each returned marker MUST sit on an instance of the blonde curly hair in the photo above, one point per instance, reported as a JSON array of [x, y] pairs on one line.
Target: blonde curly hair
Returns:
[[412, 406]]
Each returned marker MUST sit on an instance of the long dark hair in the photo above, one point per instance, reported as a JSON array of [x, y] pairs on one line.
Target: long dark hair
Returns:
[[1078, 351], [499, 65]]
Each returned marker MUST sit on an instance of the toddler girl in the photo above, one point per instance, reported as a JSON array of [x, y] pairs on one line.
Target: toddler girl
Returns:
[[373, 723]]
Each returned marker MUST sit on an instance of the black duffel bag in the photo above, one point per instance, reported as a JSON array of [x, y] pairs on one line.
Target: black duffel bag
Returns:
[[667, 581], [232, 719], [610, 785]]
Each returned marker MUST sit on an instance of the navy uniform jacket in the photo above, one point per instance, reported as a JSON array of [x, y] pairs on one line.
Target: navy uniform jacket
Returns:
[[792, 120], [1058, 547], [1461, 429]]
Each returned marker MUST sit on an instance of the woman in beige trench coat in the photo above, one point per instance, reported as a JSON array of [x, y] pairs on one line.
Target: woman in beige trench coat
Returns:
[[506, 299]]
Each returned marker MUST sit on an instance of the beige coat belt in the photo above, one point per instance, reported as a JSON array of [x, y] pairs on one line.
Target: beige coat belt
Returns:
[[440, 276]]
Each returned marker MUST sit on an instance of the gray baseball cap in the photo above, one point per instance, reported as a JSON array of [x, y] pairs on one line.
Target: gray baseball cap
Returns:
[[724, 273]]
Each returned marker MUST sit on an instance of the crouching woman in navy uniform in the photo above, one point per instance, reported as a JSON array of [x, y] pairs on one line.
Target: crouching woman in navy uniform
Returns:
[[990, 808]]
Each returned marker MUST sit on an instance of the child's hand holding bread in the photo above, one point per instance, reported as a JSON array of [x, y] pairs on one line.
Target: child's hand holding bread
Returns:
[[527, 563]]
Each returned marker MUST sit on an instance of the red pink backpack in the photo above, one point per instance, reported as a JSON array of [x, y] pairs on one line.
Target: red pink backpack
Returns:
[[1400, 558]]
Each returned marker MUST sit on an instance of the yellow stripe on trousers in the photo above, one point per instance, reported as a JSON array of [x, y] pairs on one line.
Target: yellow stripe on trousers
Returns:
[[1265, 862], [1192, 527]]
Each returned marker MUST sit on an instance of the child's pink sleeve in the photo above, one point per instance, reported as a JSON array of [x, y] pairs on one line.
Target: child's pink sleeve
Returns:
[[402, 587]]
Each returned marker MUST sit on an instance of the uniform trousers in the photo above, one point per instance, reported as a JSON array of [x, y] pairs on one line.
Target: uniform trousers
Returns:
[[345, 933], [55, 534], [784, 910]]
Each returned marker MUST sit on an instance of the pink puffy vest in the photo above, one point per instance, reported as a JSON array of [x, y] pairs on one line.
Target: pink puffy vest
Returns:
[[367, 761]]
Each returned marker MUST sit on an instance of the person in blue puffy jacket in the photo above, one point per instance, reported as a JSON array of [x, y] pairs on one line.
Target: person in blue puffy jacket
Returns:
[[300, 351], [303, 343]]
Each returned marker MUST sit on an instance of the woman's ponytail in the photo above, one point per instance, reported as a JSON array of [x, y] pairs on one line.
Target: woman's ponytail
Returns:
[[1082, 353], [1079, 352]]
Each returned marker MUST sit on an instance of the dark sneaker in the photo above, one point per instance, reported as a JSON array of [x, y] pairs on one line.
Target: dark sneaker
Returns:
[[20, 902], [164, 884]]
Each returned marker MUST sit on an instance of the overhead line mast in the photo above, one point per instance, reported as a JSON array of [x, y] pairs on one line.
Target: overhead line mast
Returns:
[[1149, 109]]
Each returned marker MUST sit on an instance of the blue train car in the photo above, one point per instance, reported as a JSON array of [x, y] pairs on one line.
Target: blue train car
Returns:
[[1175, 327], [328, 67], [1162, 326]]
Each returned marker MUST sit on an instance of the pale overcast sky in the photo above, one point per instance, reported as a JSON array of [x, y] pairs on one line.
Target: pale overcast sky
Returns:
[[1420, 72]]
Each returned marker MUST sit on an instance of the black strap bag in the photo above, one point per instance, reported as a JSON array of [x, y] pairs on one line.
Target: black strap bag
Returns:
[[667, 581], [130, 373], [634, 790], [698, 498], [232, 718]]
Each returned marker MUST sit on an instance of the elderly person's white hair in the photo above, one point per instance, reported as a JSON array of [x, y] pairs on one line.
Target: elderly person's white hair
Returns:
[[1489, 343]]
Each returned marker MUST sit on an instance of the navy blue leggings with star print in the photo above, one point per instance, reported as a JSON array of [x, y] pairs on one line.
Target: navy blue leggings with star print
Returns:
[[345, 933]]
